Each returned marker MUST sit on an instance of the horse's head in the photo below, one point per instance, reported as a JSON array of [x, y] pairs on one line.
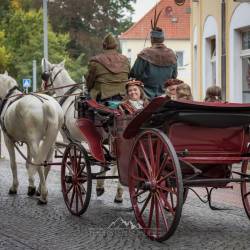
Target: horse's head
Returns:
[[6, 83], [53, 75]]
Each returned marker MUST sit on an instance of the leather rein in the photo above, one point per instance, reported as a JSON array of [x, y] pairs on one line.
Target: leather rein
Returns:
[[8, 95]]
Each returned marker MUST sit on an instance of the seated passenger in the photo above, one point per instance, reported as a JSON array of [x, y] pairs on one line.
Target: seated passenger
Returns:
[[171, 86], [183, 92], [135, 99], [213, 94]]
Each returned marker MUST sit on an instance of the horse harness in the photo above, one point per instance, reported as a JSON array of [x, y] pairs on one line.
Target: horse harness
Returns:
[[61, 102], [3, 104], [47, 75]]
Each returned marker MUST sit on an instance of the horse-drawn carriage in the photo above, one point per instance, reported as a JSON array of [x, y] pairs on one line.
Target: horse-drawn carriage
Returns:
[[160, 152]]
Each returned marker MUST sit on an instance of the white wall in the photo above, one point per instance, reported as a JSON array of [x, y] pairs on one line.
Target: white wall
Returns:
[[184, 73]]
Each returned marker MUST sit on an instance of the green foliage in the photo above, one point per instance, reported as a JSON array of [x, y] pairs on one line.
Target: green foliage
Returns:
[[24, 41], [5, 56], [88, 22], [78, 29], [4, 8]]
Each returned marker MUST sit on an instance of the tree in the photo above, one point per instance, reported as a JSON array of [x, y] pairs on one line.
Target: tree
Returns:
[[4, 8], [5, 55], [88, 21], [24, 40]]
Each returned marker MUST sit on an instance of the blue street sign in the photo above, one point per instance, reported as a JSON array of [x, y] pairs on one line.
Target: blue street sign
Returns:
[[26, 83]]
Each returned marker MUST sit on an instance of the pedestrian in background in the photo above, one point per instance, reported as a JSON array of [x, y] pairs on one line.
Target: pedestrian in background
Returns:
[[213, 94]]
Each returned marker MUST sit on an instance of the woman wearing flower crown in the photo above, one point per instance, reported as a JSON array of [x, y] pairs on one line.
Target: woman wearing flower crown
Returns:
[[135, 99]]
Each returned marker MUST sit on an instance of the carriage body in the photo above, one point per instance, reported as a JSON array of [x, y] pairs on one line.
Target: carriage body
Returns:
[[167, 148]]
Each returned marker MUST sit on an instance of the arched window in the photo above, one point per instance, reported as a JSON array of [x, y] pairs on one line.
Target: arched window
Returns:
[[239, 54], [210, 54]]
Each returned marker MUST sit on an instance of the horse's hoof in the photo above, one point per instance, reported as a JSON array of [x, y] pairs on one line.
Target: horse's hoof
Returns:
[[11, 192], [99, 191], [31, 191], [118, 200], [40, 202], [38, 193]]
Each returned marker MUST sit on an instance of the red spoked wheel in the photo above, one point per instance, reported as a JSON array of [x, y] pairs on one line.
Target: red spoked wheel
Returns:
[[155, 184], [245, 187], [76, 179]]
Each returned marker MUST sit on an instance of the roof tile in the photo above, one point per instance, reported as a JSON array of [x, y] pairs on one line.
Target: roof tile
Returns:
[[173, 30]]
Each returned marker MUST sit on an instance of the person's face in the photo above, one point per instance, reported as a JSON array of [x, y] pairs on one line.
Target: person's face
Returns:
[[134, 93], [172, 89]]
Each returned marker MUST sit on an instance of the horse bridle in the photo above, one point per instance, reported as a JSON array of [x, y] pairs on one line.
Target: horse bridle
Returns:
[[47, 77], [5, 99]]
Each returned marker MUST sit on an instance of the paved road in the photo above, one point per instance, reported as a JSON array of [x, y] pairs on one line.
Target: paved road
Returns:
[[25, 225]]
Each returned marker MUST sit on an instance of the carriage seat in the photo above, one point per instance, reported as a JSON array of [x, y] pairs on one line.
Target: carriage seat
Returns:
[[100, 114]]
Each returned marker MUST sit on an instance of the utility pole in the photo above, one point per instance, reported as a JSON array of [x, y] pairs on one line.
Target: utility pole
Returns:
[[34, 76], [45, 29]]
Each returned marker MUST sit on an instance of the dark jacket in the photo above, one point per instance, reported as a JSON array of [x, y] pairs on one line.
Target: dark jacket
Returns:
[[153, 67]]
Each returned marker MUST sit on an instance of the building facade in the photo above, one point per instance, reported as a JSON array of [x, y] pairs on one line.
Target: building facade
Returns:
[[206, 47], [175, 21]]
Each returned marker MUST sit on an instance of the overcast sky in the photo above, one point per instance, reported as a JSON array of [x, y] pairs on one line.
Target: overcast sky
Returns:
[[142, 7]]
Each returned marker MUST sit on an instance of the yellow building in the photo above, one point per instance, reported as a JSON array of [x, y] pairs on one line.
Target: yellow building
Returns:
[[206, 40]]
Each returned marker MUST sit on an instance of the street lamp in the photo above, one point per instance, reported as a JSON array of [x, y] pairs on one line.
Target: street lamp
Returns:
[[45, 28]]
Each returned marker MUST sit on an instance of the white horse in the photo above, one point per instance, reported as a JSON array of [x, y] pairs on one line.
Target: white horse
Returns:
[[34, 120], [58, 77]]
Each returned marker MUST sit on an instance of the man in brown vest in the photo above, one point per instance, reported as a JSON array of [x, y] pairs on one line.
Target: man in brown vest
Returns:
[[107, 73], [106, 79]]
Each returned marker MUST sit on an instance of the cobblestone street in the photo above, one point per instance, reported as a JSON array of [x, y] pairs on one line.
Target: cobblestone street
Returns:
[[25, 225]]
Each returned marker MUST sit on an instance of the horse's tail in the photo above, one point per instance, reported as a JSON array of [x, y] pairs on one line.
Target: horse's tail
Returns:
[[53, 119]]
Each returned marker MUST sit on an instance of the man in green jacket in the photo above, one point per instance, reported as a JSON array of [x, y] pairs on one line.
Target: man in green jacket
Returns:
[[155, 65], [107, 72]]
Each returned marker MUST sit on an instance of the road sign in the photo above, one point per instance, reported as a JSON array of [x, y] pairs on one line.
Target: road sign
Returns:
[[26, 83]]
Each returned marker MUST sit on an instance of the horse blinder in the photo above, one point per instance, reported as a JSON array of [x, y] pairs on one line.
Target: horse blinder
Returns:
[[45, 76]]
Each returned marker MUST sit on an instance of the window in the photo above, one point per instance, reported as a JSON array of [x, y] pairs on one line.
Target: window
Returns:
[[245, 57], [246, 40], [246, 79], [213, 59], [180, 57]]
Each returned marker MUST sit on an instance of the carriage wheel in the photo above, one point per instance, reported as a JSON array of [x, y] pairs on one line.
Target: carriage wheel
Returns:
[[185, 194], [76, 179], [245, 188], [155, 185]]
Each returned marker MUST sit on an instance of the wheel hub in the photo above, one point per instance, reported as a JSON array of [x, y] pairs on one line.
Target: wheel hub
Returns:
[[149, 186]]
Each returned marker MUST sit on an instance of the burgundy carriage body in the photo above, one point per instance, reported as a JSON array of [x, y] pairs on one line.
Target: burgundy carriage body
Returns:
[[161, 152], [201, 133], [211, 136]]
